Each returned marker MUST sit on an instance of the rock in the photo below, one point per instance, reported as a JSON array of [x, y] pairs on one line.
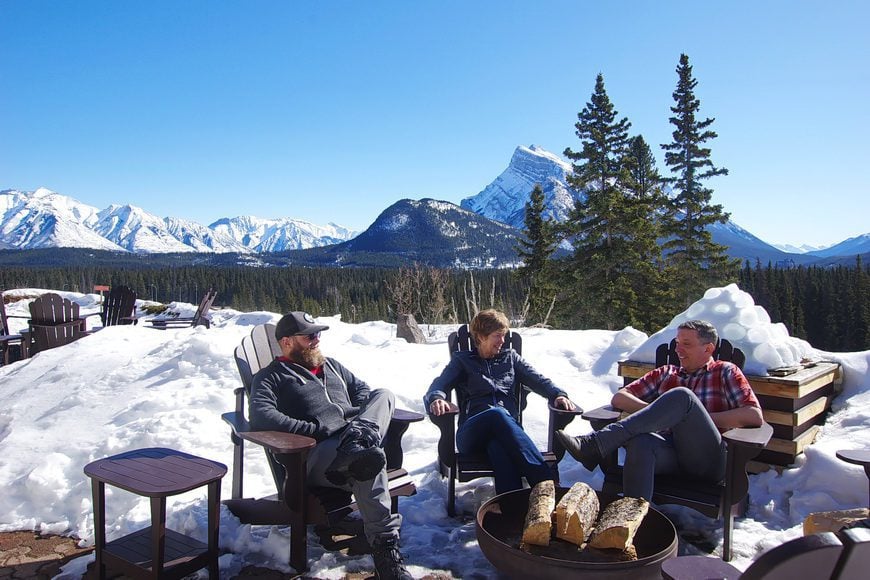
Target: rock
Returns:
[[407, 328], [833, 521]]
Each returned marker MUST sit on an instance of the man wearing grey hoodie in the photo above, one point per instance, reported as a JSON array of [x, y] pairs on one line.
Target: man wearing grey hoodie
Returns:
[[305, 393]]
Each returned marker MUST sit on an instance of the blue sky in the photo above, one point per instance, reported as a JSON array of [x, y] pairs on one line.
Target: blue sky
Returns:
[[332, 111]]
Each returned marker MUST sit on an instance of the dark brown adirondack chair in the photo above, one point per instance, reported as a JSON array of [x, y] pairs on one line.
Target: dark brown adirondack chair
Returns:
[[814, 556], [200, 318], [462, 467], [724, 499], [8, 341], [296, 504], [119, 307], [54, 321]]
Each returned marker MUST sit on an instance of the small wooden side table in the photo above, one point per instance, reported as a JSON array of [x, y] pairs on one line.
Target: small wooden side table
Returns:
[[857, 457], [156, 552]]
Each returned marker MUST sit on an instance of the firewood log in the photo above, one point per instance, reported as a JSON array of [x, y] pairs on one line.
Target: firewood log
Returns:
[[618, 523], [576, 513], [539, 518]]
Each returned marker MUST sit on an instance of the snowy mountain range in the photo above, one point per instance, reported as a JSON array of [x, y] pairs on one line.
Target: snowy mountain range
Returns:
[[45, 219], [479, 233]]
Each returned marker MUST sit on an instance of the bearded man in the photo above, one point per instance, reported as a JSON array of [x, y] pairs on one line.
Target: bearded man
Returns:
[[305, 393]]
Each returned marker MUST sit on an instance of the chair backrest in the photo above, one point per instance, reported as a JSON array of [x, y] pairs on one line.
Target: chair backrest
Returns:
[[204, 307], [255, 352], [4, 326], [813, 556], [461, 339], [54, 321], [53, 309], [666, 354], [120, 303], [856, 554]]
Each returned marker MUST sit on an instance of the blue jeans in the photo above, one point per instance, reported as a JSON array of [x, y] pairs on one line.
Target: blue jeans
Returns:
[[511, 452], [693, 446]]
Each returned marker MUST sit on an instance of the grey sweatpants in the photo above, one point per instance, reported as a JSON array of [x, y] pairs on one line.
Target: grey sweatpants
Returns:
[[373, 496], [693, 445]]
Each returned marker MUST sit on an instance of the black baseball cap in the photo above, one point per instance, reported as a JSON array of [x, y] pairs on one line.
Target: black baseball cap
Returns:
[[297, 324]]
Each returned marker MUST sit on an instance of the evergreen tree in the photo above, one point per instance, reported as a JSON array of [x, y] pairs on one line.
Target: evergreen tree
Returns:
[[697, 262], [535, 250], [599, 225]]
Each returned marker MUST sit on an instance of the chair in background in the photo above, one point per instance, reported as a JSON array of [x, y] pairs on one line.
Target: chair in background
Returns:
[[296, 504], [54, 321], [8, 341], [724, 499], [119, 307], [814, 556], [462, 467], [200, 318]]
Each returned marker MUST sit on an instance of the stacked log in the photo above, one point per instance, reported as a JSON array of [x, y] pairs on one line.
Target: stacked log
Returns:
[[576, 513], [618, 524], [539, 519]]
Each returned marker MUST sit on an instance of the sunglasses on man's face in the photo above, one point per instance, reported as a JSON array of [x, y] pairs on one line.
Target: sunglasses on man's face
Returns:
[[313, 336]]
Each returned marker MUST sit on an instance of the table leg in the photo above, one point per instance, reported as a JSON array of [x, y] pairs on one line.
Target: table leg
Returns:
[[214, 506], [158, 535], [98, 489]]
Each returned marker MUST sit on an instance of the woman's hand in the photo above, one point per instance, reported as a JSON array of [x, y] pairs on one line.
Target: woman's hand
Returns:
[[564, 403], [440, 406]]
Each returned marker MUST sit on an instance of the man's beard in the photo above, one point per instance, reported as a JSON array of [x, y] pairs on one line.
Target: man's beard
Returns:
[[309, 357]]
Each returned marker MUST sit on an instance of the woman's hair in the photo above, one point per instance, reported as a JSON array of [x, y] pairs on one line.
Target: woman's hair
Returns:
[[486, 322]]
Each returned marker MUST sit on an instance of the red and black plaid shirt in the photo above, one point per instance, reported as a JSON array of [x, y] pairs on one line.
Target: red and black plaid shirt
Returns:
[[719, 385]]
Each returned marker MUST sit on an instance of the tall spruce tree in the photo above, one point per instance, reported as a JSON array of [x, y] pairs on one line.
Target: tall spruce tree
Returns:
[[534, 250], [696, 261], [599, 225], [646, 206]]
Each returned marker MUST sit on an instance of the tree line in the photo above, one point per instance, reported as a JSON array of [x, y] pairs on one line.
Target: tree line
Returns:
[[828, 307]]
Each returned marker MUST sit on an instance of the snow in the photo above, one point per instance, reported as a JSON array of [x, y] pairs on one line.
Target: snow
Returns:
[[131, 387]]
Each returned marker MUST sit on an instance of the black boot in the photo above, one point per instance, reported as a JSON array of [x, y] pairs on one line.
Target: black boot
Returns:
[[389, 564], [583, 448], [359, 456]]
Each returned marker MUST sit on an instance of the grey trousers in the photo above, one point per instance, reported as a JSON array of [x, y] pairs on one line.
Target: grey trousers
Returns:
[[373, 496], [693, 445]]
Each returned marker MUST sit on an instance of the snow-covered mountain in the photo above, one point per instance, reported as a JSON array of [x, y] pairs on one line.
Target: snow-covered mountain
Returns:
[[851, 247], [46, 219], [802, 249], [276, 235], [505, 198]]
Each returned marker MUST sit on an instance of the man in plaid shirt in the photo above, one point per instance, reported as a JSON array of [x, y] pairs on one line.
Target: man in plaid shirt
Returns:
[[677, 416]]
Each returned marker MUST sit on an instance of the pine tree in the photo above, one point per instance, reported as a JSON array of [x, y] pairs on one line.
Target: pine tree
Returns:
[[599, 224], [697, 262], [535, 250]]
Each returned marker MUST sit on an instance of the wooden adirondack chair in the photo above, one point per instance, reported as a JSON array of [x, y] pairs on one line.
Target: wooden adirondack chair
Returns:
[[8, 341], [198, 319], [119, 307], [724, 499], [54, 321], [296, 504], [462, 467]]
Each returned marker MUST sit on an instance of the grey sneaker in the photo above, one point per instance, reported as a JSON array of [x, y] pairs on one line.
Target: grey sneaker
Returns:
[[583, 448], [389, 564], [359, 456]]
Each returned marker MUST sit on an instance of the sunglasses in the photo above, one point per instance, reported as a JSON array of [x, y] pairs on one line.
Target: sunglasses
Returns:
[[313, 336]]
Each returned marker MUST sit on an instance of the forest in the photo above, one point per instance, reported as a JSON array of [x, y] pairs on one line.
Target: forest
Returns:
[[828, 307]]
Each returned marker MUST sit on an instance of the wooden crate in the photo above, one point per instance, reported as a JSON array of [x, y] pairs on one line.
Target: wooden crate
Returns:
[[794, 405]]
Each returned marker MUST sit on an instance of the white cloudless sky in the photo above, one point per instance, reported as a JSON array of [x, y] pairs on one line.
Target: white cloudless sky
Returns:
[[331, 111]]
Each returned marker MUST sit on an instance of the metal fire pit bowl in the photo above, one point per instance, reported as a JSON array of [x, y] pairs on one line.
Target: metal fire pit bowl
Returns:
[[500, 527]]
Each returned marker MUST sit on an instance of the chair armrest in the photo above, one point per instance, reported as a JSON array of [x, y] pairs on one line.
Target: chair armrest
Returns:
[[277, 442], [749, 436], [446, 423], [602, 416], [392, 442], [692, 567]]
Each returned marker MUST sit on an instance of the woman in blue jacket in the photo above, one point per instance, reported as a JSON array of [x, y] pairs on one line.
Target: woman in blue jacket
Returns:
[[484, 379]]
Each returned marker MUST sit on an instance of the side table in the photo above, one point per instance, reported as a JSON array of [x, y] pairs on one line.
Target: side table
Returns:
[[156, 552]]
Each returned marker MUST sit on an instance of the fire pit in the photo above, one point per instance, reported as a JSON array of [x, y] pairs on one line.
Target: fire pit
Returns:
[[500, 528]]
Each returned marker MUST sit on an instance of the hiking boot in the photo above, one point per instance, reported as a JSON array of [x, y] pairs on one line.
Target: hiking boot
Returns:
[[358, 456], [389, 564], [583, 448]]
